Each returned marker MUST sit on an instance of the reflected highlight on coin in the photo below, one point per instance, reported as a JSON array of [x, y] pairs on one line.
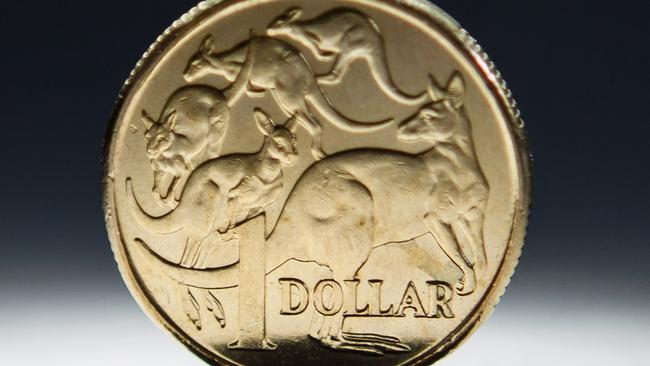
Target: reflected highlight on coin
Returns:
[[326, 182]]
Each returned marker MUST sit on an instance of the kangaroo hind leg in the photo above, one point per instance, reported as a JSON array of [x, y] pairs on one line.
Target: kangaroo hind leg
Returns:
[[443, 235], [473, 222], [191, 306], [191, 253], [313, 126], [331, 333], [461, 232], [351, 226], [341, 64]]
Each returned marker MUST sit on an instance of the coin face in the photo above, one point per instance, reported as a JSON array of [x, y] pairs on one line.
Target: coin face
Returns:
[[325, 182]]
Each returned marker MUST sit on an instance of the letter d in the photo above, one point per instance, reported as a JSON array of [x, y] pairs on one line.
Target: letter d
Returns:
[[295, 296]]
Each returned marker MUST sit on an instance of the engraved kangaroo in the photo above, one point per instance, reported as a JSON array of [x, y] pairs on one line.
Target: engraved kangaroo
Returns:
[[190, 131], [350, 203], [343, 35], [264, 64], [224, 192]]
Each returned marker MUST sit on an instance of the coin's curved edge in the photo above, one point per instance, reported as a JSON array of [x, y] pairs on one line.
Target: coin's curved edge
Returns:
[[484, 65], [494, 79], [153, 53]]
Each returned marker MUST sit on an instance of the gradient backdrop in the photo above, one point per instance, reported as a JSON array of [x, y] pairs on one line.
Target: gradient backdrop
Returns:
[[579, 70]]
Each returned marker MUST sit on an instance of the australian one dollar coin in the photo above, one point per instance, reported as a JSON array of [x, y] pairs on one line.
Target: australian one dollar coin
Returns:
[[316, 182]]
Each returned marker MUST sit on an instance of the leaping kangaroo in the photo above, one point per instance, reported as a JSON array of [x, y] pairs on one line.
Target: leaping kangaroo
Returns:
[[265, 64], [225, 191], [343, 35], [350, 203]]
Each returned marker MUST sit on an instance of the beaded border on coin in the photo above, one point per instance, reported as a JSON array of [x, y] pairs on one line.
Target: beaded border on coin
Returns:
[[470, 48]]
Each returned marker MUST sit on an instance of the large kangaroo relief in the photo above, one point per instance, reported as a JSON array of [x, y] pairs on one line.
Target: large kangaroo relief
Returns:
[[349, 204]]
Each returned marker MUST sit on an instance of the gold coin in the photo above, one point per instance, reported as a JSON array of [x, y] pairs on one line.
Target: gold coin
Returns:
[[323, 182]]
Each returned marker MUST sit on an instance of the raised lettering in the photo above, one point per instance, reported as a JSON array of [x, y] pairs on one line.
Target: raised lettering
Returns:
[[352, 303], [295, 296], [411, 300], [328, 291], [375, 300], [440, 294]]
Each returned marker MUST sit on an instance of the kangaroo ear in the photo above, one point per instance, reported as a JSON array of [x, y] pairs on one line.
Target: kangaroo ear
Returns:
[[170, 121], [207, 45], [456, 90], [293, 14], [292, 125], [435, 93], [147, 120], [264, 122]]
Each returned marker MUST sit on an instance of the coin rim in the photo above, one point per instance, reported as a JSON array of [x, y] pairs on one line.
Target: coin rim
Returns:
[[438, 20]]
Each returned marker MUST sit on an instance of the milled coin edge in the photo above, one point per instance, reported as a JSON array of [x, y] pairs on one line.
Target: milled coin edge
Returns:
[[432, 15], [509, 107]]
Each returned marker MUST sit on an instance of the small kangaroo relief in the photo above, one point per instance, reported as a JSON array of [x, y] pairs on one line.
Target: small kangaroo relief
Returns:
[[342, 36], [190, 130], [224, 192], [262, 65]]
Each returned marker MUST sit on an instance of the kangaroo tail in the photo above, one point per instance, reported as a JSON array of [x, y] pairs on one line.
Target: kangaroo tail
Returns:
[[163, 225], [320, 102], [209, 279], [379, 69]]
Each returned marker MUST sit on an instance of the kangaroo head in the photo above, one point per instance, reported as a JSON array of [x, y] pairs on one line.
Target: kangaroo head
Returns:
[[280, 141], [199, 63], [439, 120], [282, 25], [159, 136], [194, 120]]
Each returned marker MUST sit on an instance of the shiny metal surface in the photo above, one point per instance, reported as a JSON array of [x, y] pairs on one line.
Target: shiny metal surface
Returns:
[[325, 182]]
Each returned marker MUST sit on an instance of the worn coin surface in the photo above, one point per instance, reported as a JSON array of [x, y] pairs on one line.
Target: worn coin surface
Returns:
[[323, 182]]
